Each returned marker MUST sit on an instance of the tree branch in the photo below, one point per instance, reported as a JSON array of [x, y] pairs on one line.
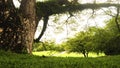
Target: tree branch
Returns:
[[50, 9], [116, 19], [43, 29]]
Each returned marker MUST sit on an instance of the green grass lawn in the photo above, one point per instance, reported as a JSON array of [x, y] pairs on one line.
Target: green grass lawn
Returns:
[[11, 60]]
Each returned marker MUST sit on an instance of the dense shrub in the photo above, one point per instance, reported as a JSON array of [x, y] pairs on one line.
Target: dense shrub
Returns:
[[113, 46]]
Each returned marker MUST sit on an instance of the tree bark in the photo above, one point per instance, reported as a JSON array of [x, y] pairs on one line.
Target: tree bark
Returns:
[[28, 20], [17, 28]]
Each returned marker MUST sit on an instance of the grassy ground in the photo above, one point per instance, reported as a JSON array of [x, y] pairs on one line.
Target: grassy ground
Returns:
[[11, 60]]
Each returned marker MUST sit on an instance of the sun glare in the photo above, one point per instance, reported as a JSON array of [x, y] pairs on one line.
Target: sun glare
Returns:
[[16, 3]]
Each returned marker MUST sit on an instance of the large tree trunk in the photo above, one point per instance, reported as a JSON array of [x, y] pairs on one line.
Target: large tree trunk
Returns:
[[17, 28], [28, 20]]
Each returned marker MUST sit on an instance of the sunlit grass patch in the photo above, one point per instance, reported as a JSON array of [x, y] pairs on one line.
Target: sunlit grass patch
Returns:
[[92, 54], [65, 54], [45, 53]]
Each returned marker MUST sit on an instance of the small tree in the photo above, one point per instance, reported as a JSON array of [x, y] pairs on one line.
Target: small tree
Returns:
[[80, 43]]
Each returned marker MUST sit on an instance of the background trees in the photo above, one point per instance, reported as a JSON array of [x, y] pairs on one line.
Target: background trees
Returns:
[[112, 44], [96, 39]]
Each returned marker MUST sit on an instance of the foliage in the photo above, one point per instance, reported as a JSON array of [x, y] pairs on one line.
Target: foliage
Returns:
[[47, 46], [38, 47], [112, 27], [29, 61], [100, 38]]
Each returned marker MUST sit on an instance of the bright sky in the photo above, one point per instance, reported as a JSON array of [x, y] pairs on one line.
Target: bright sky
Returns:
[[81, 20]]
